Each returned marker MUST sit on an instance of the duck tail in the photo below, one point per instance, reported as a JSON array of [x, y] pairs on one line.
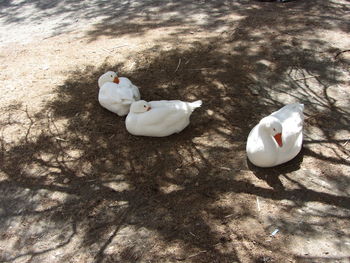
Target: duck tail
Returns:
[[299, 107], [195, 104]]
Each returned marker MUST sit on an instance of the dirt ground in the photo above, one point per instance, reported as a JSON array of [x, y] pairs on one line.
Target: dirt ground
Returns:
[[75, 186]]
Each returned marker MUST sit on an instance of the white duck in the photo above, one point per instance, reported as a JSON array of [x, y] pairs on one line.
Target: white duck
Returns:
[[159, 118], [277, 138], [116, 94]]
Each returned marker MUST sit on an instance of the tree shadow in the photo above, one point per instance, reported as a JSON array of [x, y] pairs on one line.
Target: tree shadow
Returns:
[[271, 175], [190, 196]]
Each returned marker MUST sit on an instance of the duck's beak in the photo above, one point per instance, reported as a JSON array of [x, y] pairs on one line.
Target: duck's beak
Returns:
[[278, 138], [116, 80], [149, 108]]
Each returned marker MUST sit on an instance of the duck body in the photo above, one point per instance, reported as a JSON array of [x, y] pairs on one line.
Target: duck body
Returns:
[[126, 83], [117, 93], [159, 118], [277, 138]]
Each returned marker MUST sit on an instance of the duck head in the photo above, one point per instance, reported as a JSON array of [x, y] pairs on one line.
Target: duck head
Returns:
[[140, 106], [109, 76], [273, 127]]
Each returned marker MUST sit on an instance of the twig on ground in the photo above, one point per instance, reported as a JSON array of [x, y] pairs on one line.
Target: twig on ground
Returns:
[[192, 234], [313, 116], [105, 49], [178, 65], [341, 52], [344, 144], [198, 68], [229, 215], [119, 46], [200, 252], [112, 49], [258, 203], [60, 139]]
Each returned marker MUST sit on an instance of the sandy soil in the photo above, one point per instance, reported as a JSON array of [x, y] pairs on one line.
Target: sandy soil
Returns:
[[76, 187]]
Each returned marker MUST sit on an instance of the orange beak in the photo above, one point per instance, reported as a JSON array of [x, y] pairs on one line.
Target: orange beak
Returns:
[[149, 108], [278, 138], [116, 80]]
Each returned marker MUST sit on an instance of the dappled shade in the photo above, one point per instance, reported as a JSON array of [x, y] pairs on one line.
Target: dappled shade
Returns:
[[192, 196]]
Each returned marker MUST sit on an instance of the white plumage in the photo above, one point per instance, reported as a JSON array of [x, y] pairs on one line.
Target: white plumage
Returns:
[[116, 94], [277, 138], [159, 118]]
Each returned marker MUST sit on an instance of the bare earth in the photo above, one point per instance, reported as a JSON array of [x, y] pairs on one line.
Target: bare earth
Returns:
[[76, 187]]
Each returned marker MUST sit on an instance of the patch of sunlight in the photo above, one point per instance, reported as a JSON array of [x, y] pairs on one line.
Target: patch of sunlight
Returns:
[[219, 85], [51, 199], [102, 143], [217, 115], [270, 65], [168, 16], [312, 210], [234, 17], [169, 188], [127, 236], [224, 130], [3, 176], [332, 37], [34, 170], [118, 186], [321, 243], [140, 238], [74, 153], [199, 19], [210, 112], [337, 185]]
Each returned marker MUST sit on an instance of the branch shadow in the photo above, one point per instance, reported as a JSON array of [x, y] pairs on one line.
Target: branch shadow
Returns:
[[271, 175]]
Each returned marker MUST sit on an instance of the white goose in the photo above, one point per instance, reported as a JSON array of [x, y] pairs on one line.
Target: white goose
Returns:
[[159, 118], [277, 138], [117, 94]]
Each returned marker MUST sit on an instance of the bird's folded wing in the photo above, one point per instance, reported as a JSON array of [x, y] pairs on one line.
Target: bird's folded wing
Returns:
[[160, 116]]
